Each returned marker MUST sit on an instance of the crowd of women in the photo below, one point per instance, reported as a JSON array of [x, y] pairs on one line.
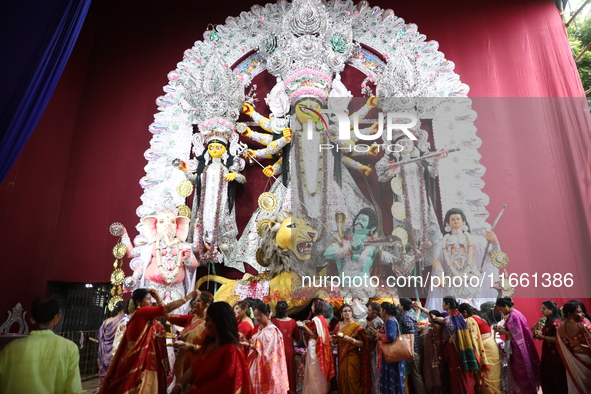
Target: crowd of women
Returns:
[[248, 349]]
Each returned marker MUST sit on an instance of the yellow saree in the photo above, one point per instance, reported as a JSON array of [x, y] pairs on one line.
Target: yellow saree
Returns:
[[352, 377]]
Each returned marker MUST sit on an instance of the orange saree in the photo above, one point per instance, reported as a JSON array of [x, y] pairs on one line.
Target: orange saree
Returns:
[[354, 374]]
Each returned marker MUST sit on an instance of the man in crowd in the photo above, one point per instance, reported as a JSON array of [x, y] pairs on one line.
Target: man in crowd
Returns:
[[409, 325], [43, 362]]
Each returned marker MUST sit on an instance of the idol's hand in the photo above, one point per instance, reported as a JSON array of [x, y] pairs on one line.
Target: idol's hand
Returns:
[[249, 154], [442, 155], [374, 150], [357, 245], [491, 237], [287, 133], [365, 170], [243, 129], [230, 177], [269, 171], [375, 127], [247, 109], [186, 254], [372, 102]]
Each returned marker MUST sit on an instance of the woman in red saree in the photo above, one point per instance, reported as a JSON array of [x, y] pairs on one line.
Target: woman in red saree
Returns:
[[266, 355], [193, 334], [524, 363], [245, 324], [354, 374], [574, 347], [291, 332], [141, 361], [552, 372], [319, 361], [219, 366]]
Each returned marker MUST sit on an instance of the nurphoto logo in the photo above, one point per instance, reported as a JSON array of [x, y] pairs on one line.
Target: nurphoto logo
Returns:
[[395, 121]]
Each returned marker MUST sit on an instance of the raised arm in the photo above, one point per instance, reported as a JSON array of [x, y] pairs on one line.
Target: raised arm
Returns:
[[174, 304], [263, 121]]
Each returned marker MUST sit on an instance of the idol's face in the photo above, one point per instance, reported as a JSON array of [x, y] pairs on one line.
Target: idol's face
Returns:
[[166, 224], [216, 150], [362, 221], [303, 110], [456, 222], [407, 145]]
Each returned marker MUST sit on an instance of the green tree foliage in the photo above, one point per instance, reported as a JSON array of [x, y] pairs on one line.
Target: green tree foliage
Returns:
[[579, 35]]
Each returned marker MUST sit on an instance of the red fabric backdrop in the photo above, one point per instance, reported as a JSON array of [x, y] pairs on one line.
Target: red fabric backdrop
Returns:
[[79, 171]]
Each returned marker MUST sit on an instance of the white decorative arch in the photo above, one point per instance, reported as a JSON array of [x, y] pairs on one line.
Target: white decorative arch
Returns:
[[390, 52]]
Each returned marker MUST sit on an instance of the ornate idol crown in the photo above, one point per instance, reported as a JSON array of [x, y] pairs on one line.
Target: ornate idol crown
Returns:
[[216, 99], [217, 129], [214, 91], [307, 48]]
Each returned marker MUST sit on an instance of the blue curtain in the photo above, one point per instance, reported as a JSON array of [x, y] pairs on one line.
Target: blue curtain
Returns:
[[36, 40]]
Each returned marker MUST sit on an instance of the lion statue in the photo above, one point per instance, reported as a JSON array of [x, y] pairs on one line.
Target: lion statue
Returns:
[[285, 249], [286, 245]]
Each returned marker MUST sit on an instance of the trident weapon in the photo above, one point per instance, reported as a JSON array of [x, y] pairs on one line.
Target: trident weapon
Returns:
[[492, 229]]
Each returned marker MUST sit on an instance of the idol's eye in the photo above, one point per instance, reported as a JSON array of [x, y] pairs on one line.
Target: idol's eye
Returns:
[[292, 225]]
